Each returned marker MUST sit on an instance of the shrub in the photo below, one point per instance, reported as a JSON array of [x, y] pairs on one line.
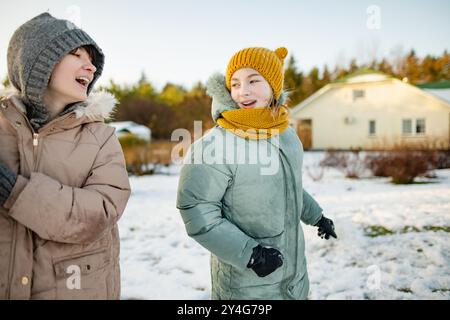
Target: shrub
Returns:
[[354, 166], [315, 172], [403, 166], [334, 159], [136, 152], [378, 164], [349, 163], [146, 158], [442, 159]]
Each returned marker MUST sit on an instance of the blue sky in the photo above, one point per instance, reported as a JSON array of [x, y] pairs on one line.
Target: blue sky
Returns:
[[185, 41]]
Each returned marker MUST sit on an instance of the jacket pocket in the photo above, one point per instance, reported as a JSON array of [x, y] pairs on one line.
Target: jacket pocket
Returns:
[[247, 278], [83, 276]]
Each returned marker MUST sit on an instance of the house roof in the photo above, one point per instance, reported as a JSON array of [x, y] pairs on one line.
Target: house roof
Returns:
[[443, 94], [440, 89], [441, 84], [130, 126]]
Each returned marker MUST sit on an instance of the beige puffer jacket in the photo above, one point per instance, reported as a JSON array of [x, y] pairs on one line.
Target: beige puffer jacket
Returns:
[[58, 229]]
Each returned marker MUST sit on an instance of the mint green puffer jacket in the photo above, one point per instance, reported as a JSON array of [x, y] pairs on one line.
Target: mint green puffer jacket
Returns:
[[234, 194]]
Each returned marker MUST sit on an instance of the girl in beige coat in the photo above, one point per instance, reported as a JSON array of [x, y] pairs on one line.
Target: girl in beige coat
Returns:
[[63, 182]]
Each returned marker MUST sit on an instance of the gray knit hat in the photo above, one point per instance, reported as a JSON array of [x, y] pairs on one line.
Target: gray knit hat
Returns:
[[34, 50]]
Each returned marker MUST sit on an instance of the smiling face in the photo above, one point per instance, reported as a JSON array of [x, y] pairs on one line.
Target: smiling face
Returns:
[[70, 79], [249, 89]]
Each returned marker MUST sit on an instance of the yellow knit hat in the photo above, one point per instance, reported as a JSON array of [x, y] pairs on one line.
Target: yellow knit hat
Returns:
[[267, 62]]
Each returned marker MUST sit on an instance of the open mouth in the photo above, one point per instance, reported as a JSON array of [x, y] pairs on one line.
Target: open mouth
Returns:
[[248, 104], [84, 81]]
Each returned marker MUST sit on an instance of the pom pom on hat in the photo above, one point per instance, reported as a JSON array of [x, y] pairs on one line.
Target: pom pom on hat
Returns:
[[281, 52]]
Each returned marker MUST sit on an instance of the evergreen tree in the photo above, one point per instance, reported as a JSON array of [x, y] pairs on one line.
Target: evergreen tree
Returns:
[[326, 77], [410, 68], [353, 66], [143, 88], [385, 67], [293, 81]]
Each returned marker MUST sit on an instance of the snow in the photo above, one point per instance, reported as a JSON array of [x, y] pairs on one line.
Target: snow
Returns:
[[159, 260]]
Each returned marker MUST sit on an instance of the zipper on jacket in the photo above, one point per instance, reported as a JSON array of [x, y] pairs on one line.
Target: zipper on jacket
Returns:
[[35, 139], [35, 150]]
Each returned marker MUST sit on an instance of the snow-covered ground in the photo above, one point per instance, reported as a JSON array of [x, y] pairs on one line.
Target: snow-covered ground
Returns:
[[408, 256]]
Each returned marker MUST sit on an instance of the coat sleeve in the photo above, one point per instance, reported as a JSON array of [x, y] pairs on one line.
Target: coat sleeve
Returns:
[[200, 192], [311, 211], [67, 214]]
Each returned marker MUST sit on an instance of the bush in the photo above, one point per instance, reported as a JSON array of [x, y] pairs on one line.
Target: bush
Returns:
[[333, 159], [403, 166], [442, 159], [349, 163], [136, 152], [146, 158], [354, 166], [378, 164], [131, 140], [315, 172]]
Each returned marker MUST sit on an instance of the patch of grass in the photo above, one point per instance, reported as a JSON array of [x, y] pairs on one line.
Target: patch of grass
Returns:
[[437, 228], [423, 182], [407, 290], [407, 229], [443, 290], [377, 231], [200, 289]]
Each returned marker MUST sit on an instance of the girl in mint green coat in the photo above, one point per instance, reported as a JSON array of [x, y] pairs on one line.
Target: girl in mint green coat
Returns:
[[240, 192]]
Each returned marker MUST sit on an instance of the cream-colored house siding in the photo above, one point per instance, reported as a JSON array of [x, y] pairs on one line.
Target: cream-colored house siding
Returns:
[[339, 121]]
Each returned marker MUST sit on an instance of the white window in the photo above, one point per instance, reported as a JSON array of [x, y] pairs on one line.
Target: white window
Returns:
[[407, 126], [420, 126], [358, 94], [372, 127]]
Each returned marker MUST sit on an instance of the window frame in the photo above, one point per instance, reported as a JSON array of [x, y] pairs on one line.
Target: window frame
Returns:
[[410, 127], [424, 126], [374, 133]]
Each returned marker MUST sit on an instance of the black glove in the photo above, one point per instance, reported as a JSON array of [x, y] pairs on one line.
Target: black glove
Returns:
[[265, 260], [326, 228], [7, 181]]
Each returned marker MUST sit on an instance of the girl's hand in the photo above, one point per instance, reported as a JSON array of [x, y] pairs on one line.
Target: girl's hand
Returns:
[[265, 260], [326, 228]]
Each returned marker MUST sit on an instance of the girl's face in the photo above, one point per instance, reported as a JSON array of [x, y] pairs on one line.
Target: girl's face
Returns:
[[71, 77], [249, 89]]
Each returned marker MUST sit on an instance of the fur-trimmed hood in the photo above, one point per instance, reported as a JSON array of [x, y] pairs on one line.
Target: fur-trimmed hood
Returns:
[[221, 98], [99, 105]]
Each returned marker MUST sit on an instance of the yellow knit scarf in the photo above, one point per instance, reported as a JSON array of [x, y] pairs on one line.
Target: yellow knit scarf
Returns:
[[254, 123]]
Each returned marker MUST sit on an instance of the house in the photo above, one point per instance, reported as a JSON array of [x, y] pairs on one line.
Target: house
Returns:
[[371, 110], [127, 127]]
